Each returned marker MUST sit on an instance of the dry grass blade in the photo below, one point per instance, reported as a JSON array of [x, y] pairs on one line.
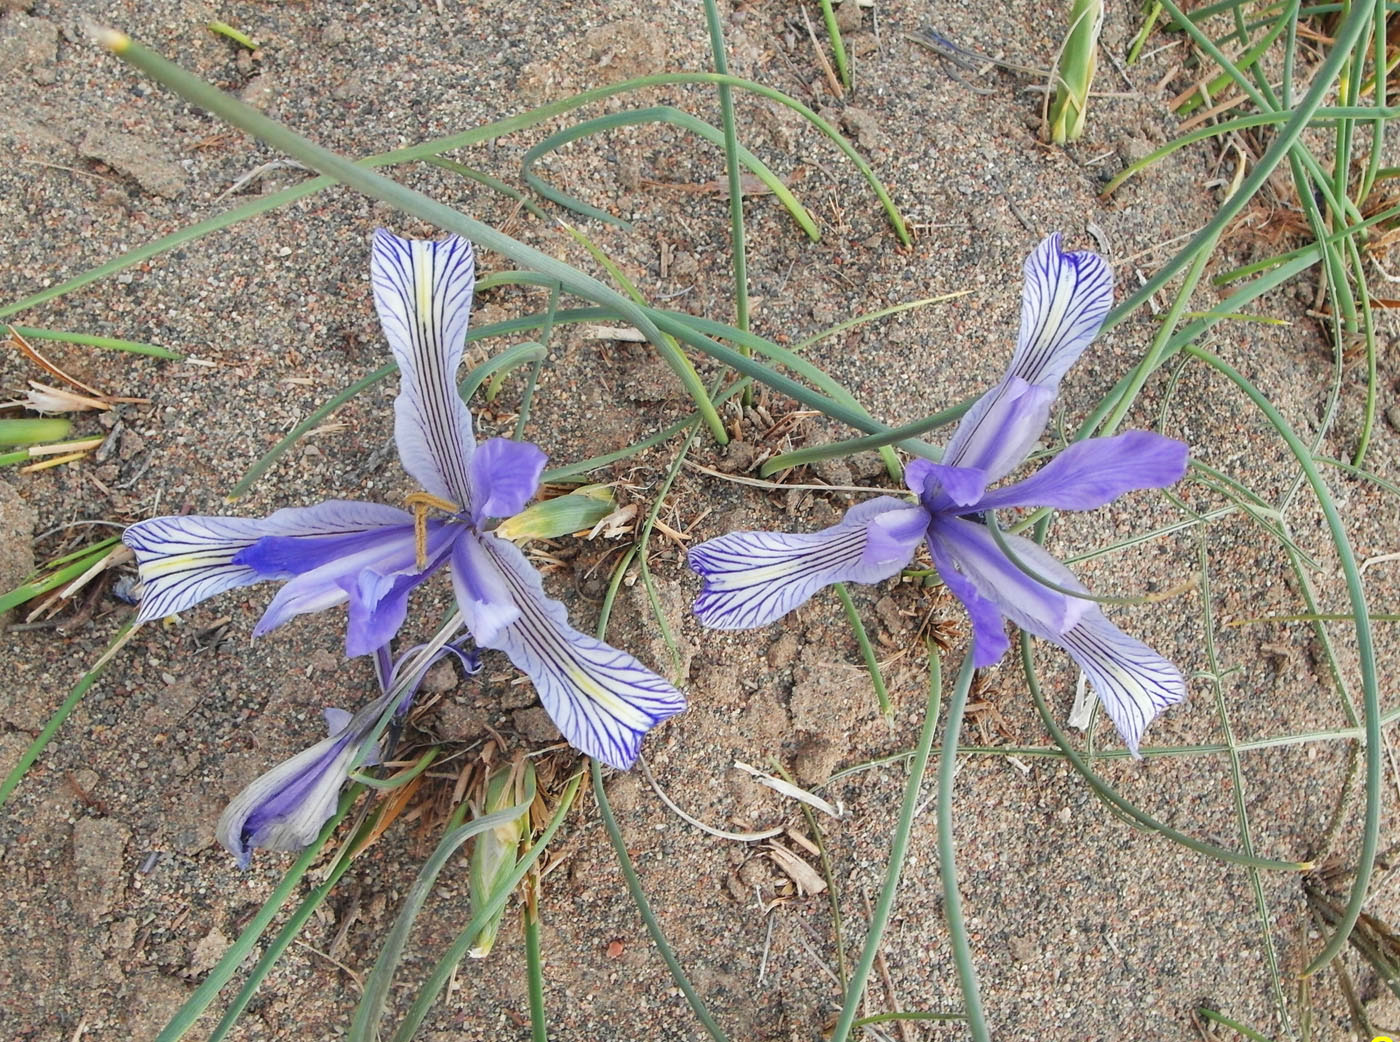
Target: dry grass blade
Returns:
[[788, 789], [27, 349]]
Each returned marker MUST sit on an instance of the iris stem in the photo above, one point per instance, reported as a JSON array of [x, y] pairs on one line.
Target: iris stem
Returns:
[[947, 865], [899, 844]]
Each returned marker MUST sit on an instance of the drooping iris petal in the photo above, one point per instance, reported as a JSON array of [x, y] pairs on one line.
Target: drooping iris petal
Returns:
[[375, 579], [989, 640], [602, 700], [1133, 682], [1063, 304], [183, 560], [961, 486], [285, 808], [482, 593], [378, 606], [423, 293], [1090, 473], [970, 548], [505, 475], [752, 578], [1001, 428]]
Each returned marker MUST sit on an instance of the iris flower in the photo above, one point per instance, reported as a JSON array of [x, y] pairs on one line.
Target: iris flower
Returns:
[[371, 556], [285, 808], [753, 578]]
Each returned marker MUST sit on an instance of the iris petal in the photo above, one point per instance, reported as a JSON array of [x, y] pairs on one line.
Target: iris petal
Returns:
[[505, 475], [184, 560], [423, 293], [1063, 304], [1133, 682], [970, 548], [1001, 428], [1091, 473], [602, 700], [285, 808], [752, 578], [482, 594], [375, 580], [989, 640]]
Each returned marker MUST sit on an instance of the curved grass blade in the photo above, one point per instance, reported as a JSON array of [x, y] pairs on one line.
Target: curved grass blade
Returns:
[[733, 175], [285, 936], [376, 993], [432, 149], [1322, 82], [427, 995], [1111, 796], [1365, 653], [947, 864], [41, 741], [655, 114], [278, 136], [899, 847], [639, 898], [872, 665]]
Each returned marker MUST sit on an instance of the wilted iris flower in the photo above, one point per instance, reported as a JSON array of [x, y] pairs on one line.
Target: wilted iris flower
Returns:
[[285, 808], [371, 556], [752, 578]]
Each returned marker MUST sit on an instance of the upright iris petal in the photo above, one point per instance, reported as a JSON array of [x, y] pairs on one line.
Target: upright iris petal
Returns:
[[752, 578], [371, 557], [423, 293]]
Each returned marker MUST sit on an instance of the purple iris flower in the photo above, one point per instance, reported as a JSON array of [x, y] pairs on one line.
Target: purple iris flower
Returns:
[[285, 808], [370, 557], [753, 578]]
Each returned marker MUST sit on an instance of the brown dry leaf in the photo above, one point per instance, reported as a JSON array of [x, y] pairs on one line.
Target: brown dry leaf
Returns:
[[809, 881]]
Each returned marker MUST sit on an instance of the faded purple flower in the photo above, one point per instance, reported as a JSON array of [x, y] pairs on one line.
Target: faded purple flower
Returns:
[[285, 808], [370, 556], [753, 578]]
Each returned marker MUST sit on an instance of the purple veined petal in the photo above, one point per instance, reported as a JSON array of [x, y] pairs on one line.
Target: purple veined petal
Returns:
[[989, 640], [1063, 305], [602, 700], [1001, 428], [184, 560], [753, 578], [1090, 473], [1133, 682], [486, 601], [423, 293], [505, 476], [970, 548], [378, 600], [285, 808]]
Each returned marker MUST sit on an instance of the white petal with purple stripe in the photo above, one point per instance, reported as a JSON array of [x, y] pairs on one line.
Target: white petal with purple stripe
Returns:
[[184, 560], [1063, 304], [1133, 682], [423, 293], [753, 578], [602, 700]]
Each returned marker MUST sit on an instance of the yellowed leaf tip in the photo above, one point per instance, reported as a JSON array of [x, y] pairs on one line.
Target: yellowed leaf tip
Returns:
[[111, 39]]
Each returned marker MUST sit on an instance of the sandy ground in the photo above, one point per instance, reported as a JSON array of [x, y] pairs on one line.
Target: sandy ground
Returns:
[[116, 900]]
